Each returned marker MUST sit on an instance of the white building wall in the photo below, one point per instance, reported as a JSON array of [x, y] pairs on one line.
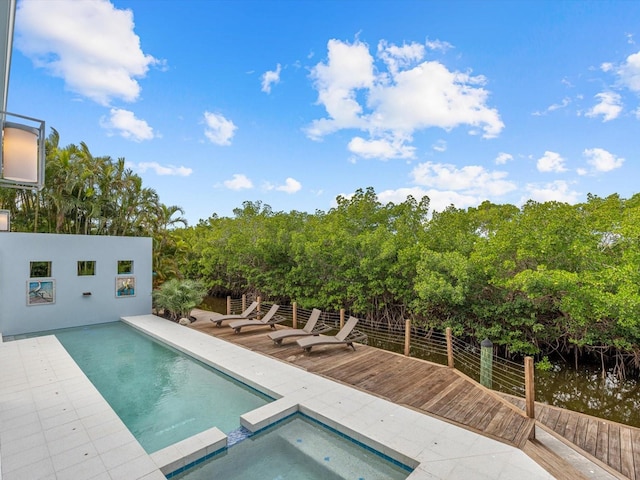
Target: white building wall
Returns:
[[70, 307]]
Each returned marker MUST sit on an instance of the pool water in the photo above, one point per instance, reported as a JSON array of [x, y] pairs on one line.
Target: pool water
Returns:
[[162, 395], [297, 448]]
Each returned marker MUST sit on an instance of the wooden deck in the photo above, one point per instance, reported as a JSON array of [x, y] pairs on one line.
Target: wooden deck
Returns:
[[440, 392], [611, 443], [417, 384]]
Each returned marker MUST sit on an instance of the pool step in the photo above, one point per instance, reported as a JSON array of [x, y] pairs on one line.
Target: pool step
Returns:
[[330, 455]]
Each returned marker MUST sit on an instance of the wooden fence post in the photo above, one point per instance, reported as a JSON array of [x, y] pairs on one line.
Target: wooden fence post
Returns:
[[259, 305], [529, 387], [407, 337], [229, 305], [341, 317], [244, 302], [449, 348], [295, 314], [486, 363]]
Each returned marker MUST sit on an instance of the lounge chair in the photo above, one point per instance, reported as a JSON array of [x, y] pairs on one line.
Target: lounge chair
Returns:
[[250, 312], [345, 336], [269, 320], [310, 328]]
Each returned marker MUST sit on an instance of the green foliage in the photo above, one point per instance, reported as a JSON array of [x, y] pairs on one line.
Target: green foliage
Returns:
[[544, 365], [546, 277], [178, 297]]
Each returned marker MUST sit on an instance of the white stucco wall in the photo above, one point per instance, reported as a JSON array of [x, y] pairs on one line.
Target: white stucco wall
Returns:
[[71, 308]]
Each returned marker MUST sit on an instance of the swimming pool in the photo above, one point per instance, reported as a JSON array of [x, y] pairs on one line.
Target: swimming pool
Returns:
[[162, 395], [296, 448]]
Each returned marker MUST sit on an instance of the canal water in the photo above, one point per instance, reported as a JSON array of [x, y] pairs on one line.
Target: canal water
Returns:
[[584, 390]]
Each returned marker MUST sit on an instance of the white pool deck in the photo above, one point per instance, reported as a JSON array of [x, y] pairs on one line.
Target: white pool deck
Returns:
[[55, 425]]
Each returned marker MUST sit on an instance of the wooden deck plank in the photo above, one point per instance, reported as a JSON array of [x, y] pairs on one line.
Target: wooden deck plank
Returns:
[[439, 380], [552, 462], [542, 413], [458, 409], [602, 442], [591, 438], [424, 388], [552, 417], [498, 425], [488, 415], [581, 431], [627, 467], [571, 427], [613, 450], [448, 394], [635, 443], [561, 425]]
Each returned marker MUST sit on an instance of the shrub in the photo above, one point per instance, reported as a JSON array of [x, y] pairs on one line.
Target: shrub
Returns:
[[178, 297]]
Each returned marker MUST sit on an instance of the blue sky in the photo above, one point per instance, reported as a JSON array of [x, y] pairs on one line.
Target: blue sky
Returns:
[[296, 102]]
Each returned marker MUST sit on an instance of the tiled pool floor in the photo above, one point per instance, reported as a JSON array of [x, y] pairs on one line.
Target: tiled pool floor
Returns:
[[55, 425]]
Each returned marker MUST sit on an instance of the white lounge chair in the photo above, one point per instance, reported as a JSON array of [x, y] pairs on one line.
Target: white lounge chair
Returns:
[[310, 328], [249, 312], [269, 320], [343, 337]]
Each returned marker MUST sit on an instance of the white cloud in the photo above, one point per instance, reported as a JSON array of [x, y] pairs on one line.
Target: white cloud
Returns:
[[383, 149], [349, 68], [558, 191], [291, 185], [629, 72], [438, 200], [238, 182], [551, 162], [609, 107], [125, 124], [271, 77], [438, 45], [602, 160], [218, 129], [164, 170], [391, 104], [440, 146], [397, 58], [472, 179], [606, 66], [503, 158], [91, 45], [555, 106]]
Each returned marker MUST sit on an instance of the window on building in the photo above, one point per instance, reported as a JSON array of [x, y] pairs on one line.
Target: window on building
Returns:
[[39, 269], [125, 267], [86, 267]]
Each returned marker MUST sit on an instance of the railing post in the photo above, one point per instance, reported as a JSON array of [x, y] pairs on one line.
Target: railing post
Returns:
[[295, 314], [529, 387], [407, 337], [449, 348], [341, 317], [228, 304], [259, 304], [486, 363], [244, 302]]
